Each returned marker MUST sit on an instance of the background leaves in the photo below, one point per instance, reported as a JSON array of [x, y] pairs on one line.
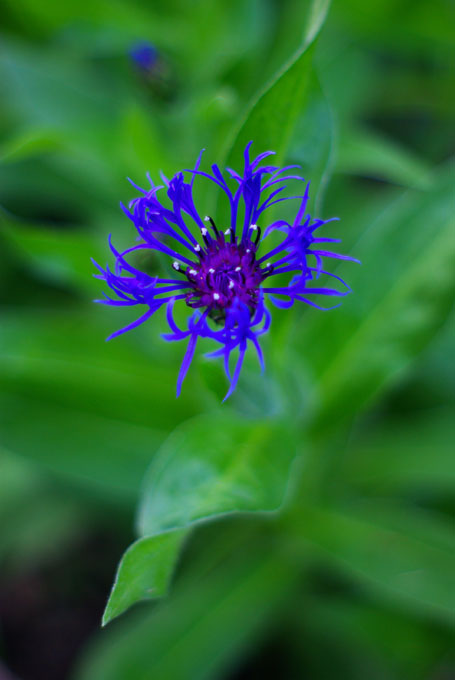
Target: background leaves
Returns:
[[395, 316], [338, 563]]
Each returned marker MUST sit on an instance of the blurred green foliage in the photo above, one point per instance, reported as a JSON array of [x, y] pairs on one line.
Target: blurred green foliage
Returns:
[[344, 447]]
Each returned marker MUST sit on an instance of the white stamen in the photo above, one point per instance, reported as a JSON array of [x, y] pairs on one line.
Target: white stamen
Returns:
[[216, 296], [231, 284], [248, 250], [227, 232], [197, 247], [193, 272], [238, 269], [254, 227], [176, 265], [206, 218], [204, 231], [211, 271], [269, 264]]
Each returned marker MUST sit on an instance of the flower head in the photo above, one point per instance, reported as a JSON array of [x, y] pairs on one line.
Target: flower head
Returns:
[[144, 55], [224, 274]]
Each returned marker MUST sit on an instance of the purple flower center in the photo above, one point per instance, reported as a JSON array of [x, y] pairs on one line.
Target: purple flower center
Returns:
[[227, 270]]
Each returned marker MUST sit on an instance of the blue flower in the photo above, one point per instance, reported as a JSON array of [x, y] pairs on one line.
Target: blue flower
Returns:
[[224, 274], [144, 55]]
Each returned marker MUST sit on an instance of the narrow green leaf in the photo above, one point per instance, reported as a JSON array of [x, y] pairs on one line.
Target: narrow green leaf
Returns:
[[55, 255], [405, 554], [273, 115], [367, 153], [371, 634], [402, 295], [313, 143], [144, 572], [29, 144], [316, 17], [102, 454], [416, 454], [213, 465]]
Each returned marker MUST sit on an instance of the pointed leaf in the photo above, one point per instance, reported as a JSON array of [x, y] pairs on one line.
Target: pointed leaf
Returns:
[[273, 115], [203, 627], [144, 572]]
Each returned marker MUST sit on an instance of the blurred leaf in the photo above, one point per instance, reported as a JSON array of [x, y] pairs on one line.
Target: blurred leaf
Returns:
[[412, 453], [432, 383], [204, 626], [404, 554], [55, 16], [426, 29], [402, 295], [367, 153], [103, 454], [257, 396], [372, 635], [272, 117], [143, 149], [39, 529], [95, 411], [30, 143], [144, 572], [36, 519], [313, 143], [213, 465], [316, 16], [55, 254], [55, 91], [18, 479]]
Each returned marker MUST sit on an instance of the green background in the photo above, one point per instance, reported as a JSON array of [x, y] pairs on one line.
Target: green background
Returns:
[[331, 478]]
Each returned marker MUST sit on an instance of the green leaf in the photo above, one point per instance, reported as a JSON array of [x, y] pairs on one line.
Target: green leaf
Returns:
[[210, 466], [204, 626], [400, 552], [273, 115], [37, 519], [30, 143], [414, 454], [313, 143], [216, 464], [367, 153], [51, 91], [96, 411], [55, 255], [144, 572], [99, 453], [316, 16], [370, 634], [402, 295]]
